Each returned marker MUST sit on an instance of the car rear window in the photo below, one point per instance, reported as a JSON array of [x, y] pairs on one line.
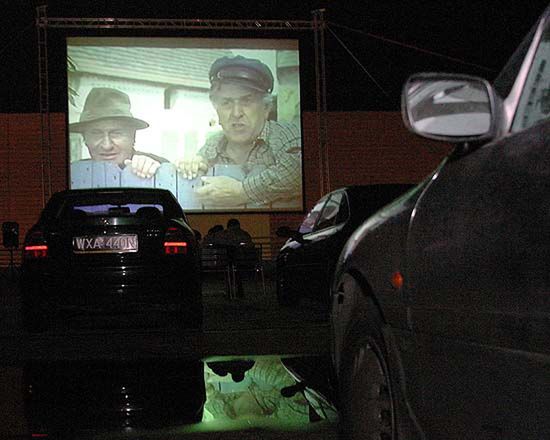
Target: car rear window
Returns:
[[109, 209], [91, 203]]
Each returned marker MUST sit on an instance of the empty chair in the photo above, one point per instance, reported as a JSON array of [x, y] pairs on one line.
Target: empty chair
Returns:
[[247, 259], [215, 259]]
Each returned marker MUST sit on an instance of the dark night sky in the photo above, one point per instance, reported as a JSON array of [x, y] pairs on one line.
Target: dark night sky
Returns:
[[483, 34]]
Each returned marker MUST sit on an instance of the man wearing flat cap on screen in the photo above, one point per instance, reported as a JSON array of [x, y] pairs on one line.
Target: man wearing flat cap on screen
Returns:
[[109, 131], [269, 152]]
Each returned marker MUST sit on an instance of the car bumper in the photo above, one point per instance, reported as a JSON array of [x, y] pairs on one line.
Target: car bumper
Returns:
[[114, 297]]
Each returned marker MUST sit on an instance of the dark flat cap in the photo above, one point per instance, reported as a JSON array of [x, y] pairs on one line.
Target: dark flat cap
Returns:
[[106, 103], [246, 72]]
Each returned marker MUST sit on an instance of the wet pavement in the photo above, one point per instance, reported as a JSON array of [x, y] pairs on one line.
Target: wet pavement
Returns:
[[253, 325], [253, 331]]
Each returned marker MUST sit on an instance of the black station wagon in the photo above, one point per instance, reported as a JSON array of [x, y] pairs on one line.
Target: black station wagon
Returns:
[[111, 258]]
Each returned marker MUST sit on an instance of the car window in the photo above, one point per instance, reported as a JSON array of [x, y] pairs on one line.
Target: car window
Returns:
[[534, 104], [102, 209], [311, 218], [343, 212], [506, 78], [330, 212]]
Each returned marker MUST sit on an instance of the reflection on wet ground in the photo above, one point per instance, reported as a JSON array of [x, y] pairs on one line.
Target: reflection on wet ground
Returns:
[[267, 390], [96, 400], [88, 387]]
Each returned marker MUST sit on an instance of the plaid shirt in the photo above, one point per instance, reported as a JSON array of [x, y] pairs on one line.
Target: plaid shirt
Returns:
[[273, 169]]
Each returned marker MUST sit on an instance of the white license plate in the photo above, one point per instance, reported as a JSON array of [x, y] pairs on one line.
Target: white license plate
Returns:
[[105, 243]]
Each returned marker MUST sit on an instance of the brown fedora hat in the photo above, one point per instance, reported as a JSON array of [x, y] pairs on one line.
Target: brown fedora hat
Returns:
[[106, 103]]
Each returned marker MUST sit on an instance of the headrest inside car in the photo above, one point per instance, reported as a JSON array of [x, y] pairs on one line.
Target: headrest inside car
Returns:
[[119, 210], [148, 212], [77, 214]]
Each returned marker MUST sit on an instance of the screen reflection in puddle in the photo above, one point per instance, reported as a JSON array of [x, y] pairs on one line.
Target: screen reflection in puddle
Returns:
[[237, 394], [255, 399]]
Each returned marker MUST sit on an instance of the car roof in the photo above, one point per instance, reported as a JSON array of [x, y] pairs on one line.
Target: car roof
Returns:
[[363, 192], [117, 190], [163, 196], [72, 194]]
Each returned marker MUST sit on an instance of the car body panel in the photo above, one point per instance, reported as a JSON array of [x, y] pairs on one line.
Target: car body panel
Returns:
[[478, 285], [384, 232], [467, 333]]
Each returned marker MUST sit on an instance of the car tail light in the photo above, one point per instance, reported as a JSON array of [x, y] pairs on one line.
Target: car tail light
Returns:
[[35, 246], [174, 241]]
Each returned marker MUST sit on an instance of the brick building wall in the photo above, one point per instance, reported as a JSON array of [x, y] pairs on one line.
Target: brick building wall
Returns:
[[363, 148], [21, 161]]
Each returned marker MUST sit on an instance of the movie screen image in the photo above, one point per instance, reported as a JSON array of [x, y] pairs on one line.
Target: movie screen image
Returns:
[[215, 121]]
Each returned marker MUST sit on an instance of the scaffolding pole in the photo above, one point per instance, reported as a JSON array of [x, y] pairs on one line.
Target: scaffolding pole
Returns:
[[320, 83], [178, 23], [43, 90]]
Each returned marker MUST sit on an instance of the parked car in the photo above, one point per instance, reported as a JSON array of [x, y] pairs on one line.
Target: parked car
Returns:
[[111, 258], [441, 307], [305, 264]]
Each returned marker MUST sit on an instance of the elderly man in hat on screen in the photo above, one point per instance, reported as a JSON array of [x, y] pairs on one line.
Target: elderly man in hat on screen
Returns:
[[109, 131], [269, 152]]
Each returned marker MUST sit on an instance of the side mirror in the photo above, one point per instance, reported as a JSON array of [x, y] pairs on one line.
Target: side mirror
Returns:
[[452, 108], [10, 235]]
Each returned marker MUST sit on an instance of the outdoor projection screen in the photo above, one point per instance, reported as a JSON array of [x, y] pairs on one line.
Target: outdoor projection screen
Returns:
[[153, 112]]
